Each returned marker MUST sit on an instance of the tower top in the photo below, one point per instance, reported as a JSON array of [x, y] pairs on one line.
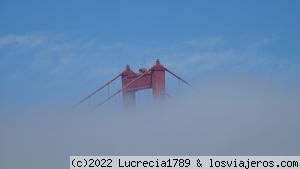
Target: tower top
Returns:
[[127, 71], [158, 66]]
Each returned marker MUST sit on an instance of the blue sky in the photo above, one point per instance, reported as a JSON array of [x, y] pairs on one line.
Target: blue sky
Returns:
[[58, 51]]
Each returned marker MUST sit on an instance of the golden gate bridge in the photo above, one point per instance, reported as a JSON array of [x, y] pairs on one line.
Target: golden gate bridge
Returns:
[[152, 78]]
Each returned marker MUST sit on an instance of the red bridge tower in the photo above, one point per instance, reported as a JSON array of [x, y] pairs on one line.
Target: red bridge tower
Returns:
[[153, 78]]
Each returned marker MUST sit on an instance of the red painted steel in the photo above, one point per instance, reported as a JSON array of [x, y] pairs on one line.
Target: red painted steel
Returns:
[[128, 96], [153, 78], [158, 81], [122, 89]]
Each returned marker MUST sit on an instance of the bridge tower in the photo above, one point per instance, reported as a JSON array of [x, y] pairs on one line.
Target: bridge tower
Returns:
[[153, 78]]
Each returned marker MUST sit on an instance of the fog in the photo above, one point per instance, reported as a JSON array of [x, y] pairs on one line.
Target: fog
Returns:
[[220, 116]]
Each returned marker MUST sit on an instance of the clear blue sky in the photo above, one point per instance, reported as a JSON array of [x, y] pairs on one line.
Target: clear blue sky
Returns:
[[51, 50]]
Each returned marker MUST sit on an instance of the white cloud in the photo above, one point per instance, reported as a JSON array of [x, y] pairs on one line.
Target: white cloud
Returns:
[[27, 40], [64, 55]]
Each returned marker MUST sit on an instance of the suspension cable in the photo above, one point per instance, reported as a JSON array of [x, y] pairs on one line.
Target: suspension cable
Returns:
[[96, 91], [178, 77]]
